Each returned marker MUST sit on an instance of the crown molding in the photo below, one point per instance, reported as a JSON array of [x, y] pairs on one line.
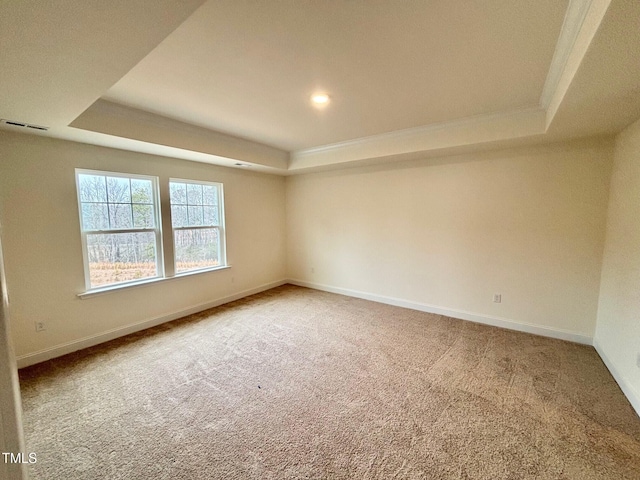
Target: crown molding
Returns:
[[581, 22], [466, 131], [573, 21], [169, 137]]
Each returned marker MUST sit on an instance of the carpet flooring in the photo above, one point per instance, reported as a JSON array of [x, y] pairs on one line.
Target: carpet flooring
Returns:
[[300, 384]]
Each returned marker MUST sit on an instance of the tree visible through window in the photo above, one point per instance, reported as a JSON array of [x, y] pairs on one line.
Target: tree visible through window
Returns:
[[197, 221], [120, 227]]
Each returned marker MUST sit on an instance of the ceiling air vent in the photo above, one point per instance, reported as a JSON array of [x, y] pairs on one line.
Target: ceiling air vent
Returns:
[[13, 123]]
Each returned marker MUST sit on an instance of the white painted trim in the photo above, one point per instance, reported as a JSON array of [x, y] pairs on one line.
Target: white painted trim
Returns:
[[141, 283], [632, 395], [463, 132], [573, 20], [582, 20], [11, 430], [107, 123], [69, 347], [460, 314], [421, 130], [90, 341]]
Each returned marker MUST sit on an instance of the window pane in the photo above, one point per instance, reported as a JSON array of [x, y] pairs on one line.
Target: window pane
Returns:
[[211, 216], [143, 216], [178, 215], [194, 194], [118, 190], [121, 257], [120, 215], [92, 188], [195, 216], [197, 248], [210, 195], [178, 193], [195, 204], [95, 216], [141, 191]]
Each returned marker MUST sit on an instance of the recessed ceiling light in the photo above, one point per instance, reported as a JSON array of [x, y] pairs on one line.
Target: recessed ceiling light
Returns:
[[320, 99]]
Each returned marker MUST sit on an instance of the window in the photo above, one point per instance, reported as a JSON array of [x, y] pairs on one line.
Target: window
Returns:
[[120, 227], [197, 219], [120, 224]]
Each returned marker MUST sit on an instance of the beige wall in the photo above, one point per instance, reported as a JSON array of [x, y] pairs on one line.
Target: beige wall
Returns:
[[441, 234], [618, 330], [446, 234], [43, 254]]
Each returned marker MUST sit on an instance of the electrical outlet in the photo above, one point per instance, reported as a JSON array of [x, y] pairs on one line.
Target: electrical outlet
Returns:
[[497, 298], [40, 326], [638, 360], [313, 270]]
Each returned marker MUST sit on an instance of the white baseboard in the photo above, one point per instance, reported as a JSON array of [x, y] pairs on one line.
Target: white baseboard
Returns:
[[632, 395], [69, 347], [473, 317], [65, 348]]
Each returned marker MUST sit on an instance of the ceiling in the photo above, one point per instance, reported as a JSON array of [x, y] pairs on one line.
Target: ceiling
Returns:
[[248, 68], [228, 81]]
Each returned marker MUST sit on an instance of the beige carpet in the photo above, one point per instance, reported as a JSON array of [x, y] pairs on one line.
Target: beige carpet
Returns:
[[295, 383]]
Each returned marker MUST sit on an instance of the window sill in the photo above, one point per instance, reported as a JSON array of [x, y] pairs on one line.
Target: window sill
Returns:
[[115, 288]]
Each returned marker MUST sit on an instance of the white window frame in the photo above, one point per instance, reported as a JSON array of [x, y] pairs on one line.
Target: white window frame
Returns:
[[222, 253], [157, 230]]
